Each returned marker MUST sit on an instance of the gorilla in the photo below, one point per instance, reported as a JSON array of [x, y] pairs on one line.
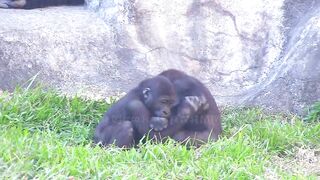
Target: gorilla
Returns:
[[31, 4], [195, 117], [170, 105], [127, 121]]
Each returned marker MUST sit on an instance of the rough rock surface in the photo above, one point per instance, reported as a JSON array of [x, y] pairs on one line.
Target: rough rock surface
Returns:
[[69, 48], [261, 52]]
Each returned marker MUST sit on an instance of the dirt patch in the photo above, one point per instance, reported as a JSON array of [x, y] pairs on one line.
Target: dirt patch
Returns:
[[304, 161]]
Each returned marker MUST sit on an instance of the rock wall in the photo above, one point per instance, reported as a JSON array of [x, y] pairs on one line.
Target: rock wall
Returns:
[[261, 52], [230, 46]]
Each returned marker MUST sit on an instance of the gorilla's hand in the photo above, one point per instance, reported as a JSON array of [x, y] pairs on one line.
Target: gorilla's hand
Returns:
[[197, 102], [158, 123]]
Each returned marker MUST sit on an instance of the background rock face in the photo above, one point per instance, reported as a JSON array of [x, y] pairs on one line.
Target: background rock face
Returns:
[[261, 52]]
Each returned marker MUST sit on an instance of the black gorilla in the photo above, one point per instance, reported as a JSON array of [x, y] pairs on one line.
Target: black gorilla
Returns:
[[127, 121], [31, 4], [195, 117], [172, 104]]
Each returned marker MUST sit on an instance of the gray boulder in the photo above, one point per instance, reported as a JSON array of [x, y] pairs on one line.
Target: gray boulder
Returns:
[[248, 53]]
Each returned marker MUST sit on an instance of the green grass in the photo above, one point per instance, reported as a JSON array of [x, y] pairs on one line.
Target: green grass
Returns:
[[44, 135], [314, 113]]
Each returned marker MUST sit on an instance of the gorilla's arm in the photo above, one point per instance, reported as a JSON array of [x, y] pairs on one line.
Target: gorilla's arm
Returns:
[[140, 116], [209, 129], [119, 133], [180, 116], [123, 126]]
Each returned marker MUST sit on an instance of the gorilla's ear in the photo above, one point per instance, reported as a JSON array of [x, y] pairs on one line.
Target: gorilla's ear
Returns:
[[146, 93]]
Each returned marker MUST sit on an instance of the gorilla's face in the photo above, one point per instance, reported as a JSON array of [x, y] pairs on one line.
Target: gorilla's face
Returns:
[[162, 106], [159, 96]]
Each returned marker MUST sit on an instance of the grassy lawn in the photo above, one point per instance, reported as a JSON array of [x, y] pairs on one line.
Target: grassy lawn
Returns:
[[43, 135]]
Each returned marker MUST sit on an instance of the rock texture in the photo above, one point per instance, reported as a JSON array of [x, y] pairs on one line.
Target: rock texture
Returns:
[[261, 52], [68, 48]]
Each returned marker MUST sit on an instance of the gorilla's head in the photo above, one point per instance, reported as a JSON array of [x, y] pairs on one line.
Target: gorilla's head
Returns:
[[158, 95]]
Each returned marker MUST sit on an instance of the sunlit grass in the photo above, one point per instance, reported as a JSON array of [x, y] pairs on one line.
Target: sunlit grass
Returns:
[[44, 135]]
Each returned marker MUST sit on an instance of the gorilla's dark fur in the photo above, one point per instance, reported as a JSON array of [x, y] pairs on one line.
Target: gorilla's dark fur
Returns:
[[196, 117], [31, 4], [127, 121], [172, 104]]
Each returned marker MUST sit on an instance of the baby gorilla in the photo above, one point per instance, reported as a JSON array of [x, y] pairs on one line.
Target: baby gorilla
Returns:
[[127, 121]]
